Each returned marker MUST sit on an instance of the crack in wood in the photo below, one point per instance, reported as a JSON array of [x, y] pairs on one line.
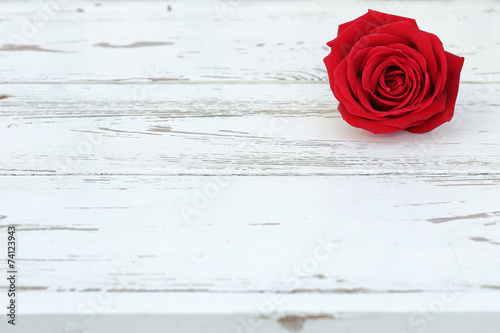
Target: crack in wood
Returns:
[[13, 47], [295, 323], [483, 239], [464, 217], [133, 45]]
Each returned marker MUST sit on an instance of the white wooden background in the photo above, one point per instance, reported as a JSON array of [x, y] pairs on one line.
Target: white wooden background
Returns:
[[181, 167]]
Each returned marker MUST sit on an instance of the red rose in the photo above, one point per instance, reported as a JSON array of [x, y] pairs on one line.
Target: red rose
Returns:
[[388, 75]]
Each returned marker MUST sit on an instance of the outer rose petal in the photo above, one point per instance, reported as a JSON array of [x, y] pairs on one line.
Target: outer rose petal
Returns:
[[367, 124], [439, 52], [409, 119], [455, 64], [341, 46], [378, 18]]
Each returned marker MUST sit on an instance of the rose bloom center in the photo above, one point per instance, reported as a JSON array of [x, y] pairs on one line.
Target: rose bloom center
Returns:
[[394, 81]]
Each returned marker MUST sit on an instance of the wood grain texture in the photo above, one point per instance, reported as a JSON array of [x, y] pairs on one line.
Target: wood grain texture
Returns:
[[312, 312], [242, 234], [228, 129], [217, 40], [180, 166]]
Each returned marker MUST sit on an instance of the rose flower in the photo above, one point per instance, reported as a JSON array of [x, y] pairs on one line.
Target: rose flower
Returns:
[[388, 75]]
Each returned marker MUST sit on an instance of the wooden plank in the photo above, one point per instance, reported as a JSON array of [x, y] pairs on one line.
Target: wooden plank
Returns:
[[264, 313], [337, 234], [196, 41], [224, 129]]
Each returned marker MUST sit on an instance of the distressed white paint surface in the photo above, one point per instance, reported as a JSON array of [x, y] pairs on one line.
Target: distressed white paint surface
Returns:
[[312, 312], [245, 234], [178, 169], [244, 129], [218, 40]]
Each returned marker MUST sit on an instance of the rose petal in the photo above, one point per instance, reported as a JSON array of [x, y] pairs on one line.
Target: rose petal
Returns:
[[409, 118], [422, 43], [373, 40], [378, 18], [370, 81], [354, 68], [360, 122], [341, 46], [344, 94], [455, 64], [439, 53]]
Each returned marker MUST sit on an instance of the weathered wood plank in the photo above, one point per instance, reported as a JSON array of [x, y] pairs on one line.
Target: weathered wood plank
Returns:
[[196, 41], [355, 234], [439, 312], [247, 129]]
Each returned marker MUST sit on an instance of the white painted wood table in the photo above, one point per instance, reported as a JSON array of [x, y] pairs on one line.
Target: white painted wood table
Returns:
[[181, 167]]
